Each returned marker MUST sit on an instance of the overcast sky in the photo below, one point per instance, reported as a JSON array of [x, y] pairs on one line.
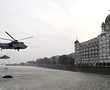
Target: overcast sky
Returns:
[[55, 25]]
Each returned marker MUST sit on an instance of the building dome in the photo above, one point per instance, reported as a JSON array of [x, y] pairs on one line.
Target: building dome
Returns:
[[107, 19], [76, 41]]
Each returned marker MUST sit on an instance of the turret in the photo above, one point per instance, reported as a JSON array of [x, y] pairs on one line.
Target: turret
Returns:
[[76, 42], [103, 27], [106, 25]]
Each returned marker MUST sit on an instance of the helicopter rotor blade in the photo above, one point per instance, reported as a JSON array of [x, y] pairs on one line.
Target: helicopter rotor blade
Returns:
[[10, 35], [26, 38], [6, 39]]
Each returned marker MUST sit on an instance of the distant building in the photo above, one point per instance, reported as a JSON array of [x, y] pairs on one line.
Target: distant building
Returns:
[[96, 50]]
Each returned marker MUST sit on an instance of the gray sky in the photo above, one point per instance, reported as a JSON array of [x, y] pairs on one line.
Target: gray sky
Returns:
[[55, 24]]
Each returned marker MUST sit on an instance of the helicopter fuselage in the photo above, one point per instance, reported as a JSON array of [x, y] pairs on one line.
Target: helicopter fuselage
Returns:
[[13, 45]]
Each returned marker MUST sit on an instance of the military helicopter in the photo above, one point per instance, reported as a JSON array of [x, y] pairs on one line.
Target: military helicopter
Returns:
[[14, 44]]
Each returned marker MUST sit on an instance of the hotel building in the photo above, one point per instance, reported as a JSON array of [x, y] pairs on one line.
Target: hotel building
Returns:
[[96, 50]]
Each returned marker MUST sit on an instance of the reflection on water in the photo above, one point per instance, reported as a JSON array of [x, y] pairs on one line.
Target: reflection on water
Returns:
[[33, 78]]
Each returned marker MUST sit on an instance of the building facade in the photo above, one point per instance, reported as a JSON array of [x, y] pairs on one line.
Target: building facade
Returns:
[[96, 50]]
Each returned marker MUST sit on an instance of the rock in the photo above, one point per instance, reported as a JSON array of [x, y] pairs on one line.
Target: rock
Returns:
[[7, 76]]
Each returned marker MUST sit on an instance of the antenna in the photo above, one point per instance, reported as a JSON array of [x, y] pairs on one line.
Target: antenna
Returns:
[[76, 36]]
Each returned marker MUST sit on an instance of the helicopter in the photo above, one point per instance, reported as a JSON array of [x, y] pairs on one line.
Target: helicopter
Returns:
[[14, 44]]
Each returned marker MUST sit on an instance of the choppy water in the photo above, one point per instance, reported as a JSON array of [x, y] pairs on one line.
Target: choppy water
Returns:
[[33, 78]]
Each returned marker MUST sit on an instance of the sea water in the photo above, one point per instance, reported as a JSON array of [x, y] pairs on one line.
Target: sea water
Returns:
[[34, 78]]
